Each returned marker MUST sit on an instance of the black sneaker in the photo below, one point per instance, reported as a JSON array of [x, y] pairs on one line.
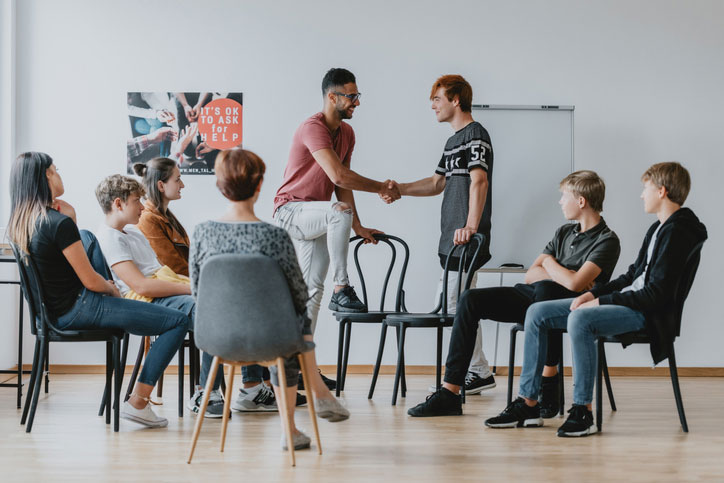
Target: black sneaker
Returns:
[[439, 403], [550, 397], [215, 408], [579, 423], [330, 383], [474, 384], [301, 400], [346, 300], [517, 415]]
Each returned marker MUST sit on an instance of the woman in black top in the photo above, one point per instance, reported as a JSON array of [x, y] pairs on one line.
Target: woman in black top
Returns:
[[78, 289]]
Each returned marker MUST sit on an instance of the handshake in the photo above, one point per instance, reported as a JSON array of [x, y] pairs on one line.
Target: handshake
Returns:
[[390, 191]]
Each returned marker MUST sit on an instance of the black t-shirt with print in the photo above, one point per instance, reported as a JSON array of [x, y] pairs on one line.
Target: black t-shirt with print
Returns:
[[60, 283], [469, 148]]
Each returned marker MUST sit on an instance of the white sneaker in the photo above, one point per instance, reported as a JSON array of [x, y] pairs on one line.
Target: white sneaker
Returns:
[[144, 416], [215, 408], [259, 398]]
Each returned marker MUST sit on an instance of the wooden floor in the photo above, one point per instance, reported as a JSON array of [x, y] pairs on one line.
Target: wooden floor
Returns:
[[641, 442]]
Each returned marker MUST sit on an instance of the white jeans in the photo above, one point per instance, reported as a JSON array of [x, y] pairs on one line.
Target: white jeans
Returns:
[[320, 231], [479, 363]]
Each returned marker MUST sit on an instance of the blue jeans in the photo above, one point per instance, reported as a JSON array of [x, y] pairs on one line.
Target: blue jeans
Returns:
[[187, 305], [584, 326], [94, 310]]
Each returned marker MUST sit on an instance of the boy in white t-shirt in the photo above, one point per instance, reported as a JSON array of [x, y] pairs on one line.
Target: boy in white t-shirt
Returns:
[[137, 271]]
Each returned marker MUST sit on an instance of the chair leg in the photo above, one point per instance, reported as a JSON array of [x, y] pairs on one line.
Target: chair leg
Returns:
[[227, 404], [109, 379], [677, 391], [192, 365], [340, 355], [204, 405], [118, 382], [403, 380], [607, 379], [378, 362], [31, 384], [599, 387], [561, 390], [283, 409], [347, 338], [399, 369], [511, 363], [159, 387], [181, 352], [438, 360], [36, 391], [310, 403], [136, 369], [47, 365]]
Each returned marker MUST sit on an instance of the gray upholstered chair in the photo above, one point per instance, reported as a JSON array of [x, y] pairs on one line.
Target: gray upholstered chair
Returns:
[[245, 315]]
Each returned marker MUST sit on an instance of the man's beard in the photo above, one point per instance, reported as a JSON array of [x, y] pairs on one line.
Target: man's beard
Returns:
[[342, 113]]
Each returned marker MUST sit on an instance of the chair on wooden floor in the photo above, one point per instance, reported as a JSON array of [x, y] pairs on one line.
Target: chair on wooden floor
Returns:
[[681, 292], [244, 319], [346, 319], [437, 319], [43, 327]]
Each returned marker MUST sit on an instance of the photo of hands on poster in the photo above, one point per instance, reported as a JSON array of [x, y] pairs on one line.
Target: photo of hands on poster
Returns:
[[188, 127]]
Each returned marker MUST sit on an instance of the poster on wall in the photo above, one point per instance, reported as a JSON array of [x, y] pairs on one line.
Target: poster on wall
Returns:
[[188, 127]]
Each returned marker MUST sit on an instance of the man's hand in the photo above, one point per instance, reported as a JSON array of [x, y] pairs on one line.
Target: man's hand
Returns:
[[390, 191], [463, 235], [584, 300], [367, 234], [112, 289], [163, 134], [191, 114]]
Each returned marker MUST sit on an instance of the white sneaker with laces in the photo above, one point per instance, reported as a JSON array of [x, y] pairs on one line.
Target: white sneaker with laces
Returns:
[[259, 398], [144, 416]]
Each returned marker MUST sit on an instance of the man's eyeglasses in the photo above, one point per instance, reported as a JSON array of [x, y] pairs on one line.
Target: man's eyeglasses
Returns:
[[351, 97]]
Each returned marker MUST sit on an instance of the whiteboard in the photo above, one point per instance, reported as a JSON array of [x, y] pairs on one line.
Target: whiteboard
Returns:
[[533, 152]]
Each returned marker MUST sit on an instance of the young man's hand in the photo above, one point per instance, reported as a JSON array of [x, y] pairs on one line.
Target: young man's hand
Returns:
[[367, 234], [390, 191], [463, 235], [584, 301]]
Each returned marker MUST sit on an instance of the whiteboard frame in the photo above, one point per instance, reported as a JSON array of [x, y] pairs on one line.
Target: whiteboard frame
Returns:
[[536, 107]]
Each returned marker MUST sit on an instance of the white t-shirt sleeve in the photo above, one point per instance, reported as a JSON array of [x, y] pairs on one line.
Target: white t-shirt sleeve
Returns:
[[114, 245]]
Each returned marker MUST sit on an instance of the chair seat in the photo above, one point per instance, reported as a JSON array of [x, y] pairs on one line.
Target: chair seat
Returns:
[[83, 335], [421, 320], [638, 337], [363, 317]]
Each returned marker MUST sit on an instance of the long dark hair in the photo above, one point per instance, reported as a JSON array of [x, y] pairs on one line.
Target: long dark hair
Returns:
[[30, 196], [155, 170]]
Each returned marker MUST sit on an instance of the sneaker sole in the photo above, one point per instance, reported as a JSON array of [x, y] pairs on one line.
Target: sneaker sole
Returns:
[[480, 389], [255, 409], [577, 434], [434, 415], [332, 416], [144, 422], [526, 423], [195, 410], [297, 447], [339, 308]]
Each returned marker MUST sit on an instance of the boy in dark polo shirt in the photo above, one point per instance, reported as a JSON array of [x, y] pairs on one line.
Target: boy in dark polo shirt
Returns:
[[579, 256]]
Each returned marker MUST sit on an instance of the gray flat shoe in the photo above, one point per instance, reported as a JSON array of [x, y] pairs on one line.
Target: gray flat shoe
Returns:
[[300, 440], [331, 410]]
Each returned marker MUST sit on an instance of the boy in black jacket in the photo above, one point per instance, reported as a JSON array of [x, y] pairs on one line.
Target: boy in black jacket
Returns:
[[642, 298]]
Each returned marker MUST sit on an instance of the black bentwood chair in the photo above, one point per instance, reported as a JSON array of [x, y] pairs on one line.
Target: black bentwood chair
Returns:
[[43, 327], [437, 319], [641, 337], [346, 319]]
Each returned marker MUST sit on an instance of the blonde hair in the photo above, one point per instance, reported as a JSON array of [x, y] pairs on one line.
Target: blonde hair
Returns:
[[117, 186], [587, 184], [672, 176]]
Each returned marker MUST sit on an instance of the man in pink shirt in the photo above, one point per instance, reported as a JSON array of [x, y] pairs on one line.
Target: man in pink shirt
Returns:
[[319, 165]]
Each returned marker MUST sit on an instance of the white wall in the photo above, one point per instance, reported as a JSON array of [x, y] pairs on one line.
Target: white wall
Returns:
[[646, 79]]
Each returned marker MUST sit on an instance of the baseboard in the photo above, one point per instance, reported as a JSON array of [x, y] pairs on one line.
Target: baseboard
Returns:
[[330, 370]]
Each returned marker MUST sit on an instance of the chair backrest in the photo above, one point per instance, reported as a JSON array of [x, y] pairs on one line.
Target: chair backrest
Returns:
[[33, 291], [244, 310], [388, 240], [477, 241], [685, 282]]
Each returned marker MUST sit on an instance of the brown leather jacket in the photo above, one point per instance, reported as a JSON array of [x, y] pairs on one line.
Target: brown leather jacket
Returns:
[[171, 246]]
